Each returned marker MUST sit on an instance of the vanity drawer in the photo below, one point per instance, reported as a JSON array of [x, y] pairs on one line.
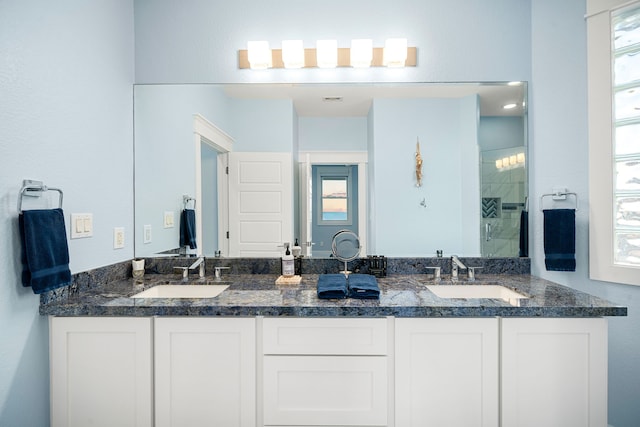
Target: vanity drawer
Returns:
[[325, 336]]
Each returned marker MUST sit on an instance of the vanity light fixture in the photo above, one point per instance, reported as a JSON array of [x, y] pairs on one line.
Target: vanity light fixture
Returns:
[[327, 54], [512, 161], [292, 53]]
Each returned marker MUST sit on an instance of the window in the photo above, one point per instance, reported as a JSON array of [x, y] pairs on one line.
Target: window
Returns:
[[626, 135], [614, 140], [335, 195]]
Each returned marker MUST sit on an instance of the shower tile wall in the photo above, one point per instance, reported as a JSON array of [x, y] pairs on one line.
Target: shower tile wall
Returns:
[[508, 186]]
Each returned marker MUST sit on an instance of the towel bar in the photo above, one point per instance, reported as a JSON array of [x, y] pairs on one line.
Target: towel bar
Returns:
[[560, 196], [32, 188], [186, 199]]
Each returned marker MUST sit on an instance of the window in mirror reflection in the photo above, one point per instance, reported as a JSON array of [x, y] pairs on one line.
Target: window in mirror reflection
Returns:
[[334, 199]]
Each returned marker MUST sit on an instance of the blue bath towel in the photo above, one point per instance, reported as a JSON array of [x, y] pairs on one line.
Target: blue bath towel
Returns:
[[45, 253], [524, 234], [188, 228], [560, 239], [332, 286], [363, 286]]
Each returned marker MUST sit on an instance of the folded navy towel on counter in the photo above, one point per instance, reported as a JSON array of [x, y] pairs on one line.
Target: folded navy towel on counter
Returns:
[[188, 228], [363, 286], [560, 239], [45, 252], [332, 286]]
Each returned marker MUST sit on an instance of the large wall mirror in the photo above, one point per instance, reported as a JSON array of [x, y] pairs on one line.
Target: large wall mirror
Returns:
[[307, 160]]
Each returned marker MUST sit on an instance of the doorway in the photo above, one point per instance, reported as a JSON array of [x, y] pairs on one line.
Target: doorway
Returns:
[[334, 204]]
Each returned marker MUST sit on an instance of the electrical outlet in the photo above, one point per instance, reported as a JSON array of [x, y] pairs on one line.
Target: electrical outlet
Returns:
[[118, 238], [168, 219], [147, 234], [81, 225]]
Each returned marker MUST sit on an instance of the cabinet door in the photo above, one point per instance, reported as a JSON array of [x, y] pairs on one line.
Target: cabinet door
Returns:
[[447, 372], [205, 372], [325, 390], [100, 371], [554, 372]]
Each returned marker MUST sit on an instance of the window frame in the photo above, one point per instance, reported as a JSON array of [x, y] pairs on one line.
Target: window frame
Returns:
[[327, 173], [601, 126]]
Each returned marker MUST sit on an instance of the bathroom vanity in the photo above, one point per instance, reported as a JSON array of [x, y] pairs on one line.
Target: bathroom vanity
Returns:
[[261, 354]]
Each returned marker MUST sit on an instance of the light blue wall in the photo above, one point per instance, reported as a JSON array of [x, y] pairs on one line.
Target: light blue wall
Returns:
[[500, 132], [165, 154], [209, 162], [333, 133], [559, 157], [458, 40], [262, 125], [66, 75], [447, 129]]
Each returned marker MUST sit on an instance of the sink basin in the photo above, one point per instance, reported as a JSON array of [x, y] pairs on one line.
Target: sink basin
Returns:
[[476, 291], [182, 291]]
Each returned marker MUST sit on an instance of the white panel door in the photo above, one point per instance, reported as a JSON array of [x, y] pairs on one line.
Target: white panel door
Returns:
[[101, 372], [205, 372], [447, 372], [260, 203], [325, 390], [554, 372]]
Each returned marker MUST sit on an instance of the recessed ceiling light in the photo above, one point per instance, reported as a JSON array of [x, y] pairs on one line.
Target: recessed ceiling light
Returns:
[[332, 98], [509, 106]]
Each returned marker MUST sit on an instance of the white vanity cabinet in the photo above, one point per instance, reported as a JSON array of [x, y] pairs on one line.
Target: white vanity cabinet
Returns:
[[205, 372], [446, 372], [325, 372], [291, 371], [101, 371], [554, 372]]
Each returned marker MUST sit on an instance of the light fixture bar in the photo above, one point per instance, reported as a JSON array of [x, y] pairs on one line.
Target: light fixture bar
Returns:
[[343, 58]]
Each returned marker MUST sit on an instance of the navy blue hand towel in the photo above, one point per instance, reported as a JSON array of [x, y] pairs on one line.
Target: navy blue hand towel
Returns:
[[45, 253], [188, 228], [363, 286], [524, 234], [332, 286], [560, 239]]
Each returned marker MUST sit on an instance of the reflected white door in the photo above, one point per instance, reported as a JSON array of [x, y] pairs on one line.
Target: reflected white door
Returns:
[[260, 203]]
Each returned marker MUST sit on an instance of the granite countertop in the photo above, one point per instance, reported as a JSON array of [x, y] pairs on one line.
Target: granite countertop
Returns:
[[400, 296]]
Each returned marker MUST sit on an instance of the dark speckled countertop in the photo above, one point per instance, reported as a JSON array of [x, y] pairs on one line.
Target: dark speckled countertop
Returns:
[[402, 295]]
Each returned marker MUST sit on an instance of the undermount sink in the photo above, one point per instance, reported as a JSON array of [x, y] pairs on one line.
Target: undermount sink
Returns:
[[476, 291], [182, 291]]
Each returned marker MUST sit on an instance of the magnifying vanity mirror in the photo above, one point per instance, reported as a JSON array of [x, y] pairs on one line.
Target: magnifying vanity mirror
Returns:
[[307, 160]]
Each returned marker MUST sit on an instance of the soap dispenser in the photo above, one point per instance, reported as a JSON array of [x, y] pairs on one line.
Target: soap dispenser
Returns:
[[296, 249], [288, 267]]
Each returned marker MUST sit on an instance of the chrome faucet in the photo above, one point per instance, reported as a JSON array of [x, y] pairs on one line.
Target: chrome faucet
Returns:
[[185, 270], [455, 264]]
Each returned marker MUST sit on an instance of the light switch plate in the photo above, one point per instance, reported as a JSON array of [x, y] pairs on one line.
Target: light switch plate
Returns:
[[146, 238], [118, 238], [81, 225], [168, 219]]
